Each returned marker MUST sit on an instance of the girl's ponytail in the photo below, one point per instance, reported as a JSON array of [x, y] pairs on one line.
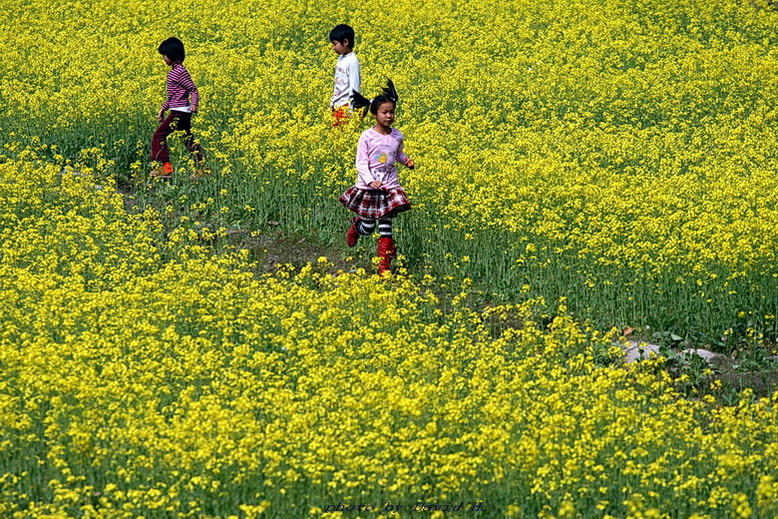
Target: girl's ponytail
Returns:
[[360, 101], [388, 94]]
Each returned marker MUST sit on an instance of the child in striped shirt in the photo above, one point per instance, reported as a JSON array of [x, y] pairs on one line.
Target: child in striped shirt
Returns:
[[182, 101]]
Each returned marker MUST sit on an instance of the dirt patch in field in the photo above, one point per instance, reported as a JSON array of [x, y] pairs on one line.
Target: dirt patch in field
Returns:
[[764, 383], [272, 249]]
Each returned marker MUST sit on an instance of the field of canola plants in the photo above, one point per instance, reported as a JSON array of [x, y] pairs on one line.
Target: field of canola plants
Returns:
[[620, 155]]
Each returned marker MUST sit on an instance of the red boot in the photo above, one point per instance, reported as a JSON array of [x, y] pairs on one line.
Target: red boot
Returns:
[[164, 171], [352, 236], [386, 252]]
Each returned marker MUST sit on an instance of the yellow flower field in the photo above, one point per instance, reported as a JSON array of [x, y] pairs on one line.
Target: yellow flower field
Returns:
[[135, 387], [619, 154], [613, 158]]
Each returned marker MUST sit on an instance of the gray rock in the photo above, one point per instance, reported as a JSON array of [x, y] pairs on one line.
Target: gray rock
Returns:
[[716, 360], [638, 350], [705, 354]]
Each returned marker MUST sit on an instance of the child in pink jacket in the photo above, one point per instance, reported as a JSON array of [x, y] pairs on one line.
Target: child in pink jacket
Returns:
[[377, 194]]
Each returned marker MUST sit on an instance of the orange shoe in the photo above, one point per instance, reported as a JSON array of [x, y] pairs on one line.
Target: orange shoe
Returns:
[[164, 171]]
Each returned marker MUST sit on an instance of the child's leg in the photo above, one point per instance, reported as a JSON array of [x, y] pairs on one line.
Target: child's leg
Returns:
[[385, 227], [386, 248], [159, 149], [185, 124], [340, 116], [359, 227], [195, 149], [365, 227]]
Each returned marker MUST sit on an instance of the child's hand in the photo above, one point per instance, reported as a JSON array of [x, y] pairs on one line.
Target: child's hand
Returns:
[[410, 164], [161, 115], [194, 109], [375, 184]]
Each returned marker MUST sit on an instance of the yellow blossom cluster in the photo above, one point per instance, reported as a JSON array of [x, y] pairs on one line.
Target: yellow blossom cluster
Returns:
[[619, 153], [144, 379]]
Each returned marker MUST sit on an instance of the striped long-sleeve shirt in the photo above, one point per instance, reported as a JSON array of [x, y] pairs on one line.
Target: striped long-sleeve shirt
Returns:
[[180, 88]]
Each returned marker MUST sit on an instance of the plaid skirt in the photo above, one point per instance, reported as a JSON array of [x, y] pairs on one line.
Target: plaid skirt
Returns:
[[375, 203]]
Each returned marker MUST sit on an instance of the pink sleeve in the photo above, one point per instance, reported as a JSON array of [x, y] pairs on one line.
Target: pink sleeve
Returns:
[[363, 161], [402, 158]]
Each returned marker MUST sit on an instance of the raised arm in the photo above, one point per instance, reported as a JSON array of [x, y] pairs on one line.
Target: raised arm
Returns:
[[402, 158]]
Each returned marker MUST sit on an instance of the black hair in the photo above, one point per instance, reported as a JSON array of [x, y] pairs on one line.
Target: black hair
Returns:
[[173, 48], [388, 95], [341, 33]]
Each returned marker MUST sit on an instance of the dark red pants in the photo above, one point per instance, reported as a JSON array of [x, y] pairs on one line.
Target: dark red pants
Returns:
[[176, 121]]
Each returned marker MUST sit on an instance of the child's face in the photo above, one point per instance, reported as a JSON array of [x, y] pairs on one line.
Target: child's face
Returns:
[[167, 60], [385, 114], [341, 49]]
